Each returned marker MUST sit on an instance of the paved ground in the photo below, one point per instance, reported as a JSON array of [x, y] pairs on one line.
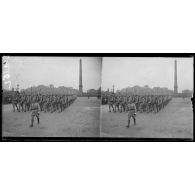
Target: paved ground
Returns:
[[81, 119], [174, 121]]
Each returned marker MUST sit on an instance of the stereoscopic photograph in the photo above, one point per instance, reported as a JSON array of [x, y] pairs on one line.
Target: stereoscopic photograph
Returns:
[[98, 97], [51, 96]]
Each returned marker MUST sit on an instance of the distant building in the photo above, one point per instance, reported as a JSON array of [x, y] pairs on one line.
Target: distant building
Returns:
[[93, 92], [187, 93]]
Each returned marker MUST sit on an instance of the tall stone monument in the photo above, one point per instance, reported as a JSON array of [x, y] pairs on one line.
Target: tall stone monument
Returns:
[[80, 78], [175, 80]]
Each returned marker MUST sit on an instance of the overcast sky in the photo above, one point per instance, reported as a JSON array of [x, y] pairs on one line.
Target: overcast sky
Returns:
[[124, 72], [59, 71]]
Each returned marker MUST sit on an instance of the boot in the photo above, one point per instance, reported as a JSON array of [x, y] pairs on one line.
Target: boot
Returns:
[[128, 124], [134, 121]]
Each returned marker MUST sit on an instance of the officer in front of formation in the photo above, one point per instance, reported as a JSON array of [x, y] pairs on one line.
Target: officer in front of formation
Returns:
[[35, 111], [131, 108]]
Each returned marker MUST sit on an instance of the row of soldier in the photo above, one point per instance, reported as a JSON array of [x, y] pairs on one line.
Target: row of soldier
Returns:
[[144, 103], [47, 103]]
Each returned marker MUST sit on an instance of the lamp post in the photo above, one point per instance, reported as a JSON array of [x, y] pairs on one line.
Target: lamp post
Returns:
[[113, 89]]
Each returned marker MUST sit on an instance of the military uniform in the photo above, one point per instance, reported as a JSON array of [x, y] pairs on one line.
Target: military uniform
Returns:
[[14, 102], [110, 103], [34, 113], [131, 113]]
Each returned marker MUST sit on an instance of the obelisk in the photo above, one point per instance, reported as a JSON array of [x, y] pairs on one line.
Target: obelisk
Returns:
[[175, 79], [80, 78]]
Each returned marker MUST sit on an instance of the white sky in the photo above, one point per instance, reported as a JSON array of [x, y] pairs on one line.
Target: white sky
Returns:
[[123, 72], [59, 71]]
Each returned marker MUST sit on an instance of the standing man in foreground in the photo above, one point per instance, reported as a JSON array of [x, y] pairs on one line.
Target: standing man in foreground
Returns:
[[131, 107], [35, 111]]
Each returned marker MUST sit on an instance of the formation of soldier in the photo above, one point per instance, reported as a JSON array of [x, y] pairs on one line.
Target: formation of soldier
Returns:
[[46, 103], [143, 103]]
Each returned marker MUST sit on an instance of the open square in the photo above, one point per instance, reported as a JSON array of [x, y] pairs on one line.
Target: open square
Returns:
[[81, 119], [174, 121]]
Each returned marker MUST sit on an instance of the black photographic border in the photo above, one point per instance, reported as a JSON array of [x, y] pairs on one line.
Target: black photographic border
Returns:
[[96, 139]]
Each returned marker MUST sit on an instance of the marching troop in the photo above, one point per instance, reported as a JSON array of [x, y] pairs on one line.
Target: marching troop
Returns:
[[46, 103], [38, 102], [143, 103], [136, 103]]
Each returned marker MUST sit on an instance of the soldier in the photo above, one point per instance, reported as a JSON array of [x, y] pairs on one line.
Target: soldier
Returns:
[[57, 103], [61, 103], [64, 102], [44, 103], [121, 104], [53, 104], [26, 103], [131, 112], [67, 101], [149, 102], [125, 104], [153, 104], [22, 103], [159, 103], [35, 111], [15, 101], [41, 102], [142, 105], [137, 101], [19, 102], [111, 102], [116, 103], [47, 104]]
